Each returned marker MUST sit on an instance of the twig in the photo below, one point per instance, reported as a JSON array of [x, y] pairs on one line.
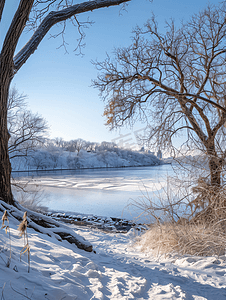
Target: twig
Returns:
[[3, 298], [19, 292]]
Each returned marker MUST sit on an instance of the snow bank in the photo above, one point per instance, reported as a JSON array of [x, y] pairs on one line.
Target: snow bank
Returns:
[[118, 270]]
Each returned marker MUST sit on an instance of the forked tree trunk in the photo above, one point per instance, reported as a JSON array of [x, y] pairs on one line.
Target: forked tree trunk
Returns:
[[5, 166]]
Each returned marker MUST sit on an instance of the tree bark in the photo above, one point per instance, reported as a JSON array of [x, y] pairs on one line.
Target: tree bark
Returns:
[[6, 75], [215, 165], [5, 166], [215, 171], [2, 4]]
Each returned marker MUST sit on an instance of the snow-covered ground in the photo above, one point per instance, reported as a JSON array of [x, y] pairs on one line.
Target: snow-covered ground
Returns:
[[116, 270]]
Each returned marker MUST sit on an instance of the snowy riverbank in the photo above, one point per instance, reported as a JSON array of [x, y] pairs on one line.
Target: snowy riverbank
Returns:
[[116, 270], [57, 159]]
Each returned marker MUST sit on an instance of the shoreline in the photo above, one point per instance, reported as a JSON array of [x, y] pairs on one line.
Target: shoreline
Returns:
[[107, 224], [95, 168]]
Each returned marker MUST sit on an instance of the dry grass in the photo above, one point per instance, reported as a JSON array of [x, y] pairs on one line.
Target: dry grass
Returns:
[[193, 239], [194, 225], [7, 230], [23, 232]]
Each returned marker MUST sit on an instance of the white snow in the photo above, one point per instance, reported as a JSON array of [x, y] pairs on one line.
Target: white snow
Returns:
[[118, 270], [44, 159]]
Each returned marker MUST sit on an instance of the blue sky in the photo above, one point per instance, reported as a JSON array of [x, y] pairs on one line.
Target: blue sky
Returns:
[[58, 85]]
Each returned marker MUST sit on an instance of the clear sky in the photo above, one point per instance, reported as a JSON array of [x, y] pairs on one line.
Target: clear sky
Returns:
[[58, 85]]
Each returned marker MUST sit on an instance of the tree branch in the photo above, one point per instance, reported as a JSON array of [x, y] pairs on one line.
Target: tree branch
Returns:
[[2, 4], [220, 124], [204, 99], [15, 30], [53, 18], [174, 92]]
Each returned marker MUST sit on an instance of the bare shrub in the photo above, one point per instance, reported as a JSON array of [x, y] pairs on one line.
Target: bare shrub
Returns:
[[190, 217], [30, 196], [165, 201]]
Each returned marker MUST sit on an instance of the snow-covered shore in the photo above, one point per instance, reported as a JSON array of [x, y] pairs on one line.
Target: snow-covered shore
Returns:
[[107, 224], [57, 159], [116, 269]]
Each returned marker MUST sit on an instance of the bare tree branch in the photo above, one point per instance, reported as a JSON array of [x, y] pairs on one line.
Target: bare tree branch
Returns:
[[53, 18], [2, 4], [15, 30], [175, 81], [26, 129]]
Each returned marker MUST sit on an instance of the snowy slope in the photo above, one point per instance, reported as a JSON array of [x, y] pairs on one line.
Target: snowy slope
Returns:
[[118, 270]]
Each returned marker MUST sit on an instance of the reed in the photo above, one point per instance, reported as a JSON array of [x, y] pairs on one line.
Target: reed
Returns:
[[23, 232], [7, 230]]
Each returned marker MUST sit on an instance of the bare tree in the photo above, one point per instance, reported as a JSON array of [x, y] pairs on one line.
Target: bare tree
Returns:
[[27, 130], [89, 146], [40, 16], [79, 145], [75, 145], [175, 81], [59, 142]]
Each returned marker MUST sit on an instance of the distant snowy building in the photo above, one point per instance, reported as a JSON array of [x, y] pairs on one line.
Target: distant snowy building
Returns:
[[159, 154]]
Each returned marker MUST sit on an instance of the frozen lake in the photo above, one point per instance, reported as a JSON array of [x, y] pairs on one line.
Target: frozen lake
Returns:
[[102, 192]]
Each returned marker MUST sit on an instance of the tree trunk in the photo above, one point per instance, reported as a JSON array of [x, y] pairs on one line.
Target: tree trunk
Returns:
[[215, 165], [215, 171], [5, 166]]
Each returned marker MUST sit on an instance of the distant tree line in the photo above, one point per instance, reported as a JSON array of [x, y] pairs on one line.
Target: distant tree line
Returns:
[[78, 153], [30, 148]]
